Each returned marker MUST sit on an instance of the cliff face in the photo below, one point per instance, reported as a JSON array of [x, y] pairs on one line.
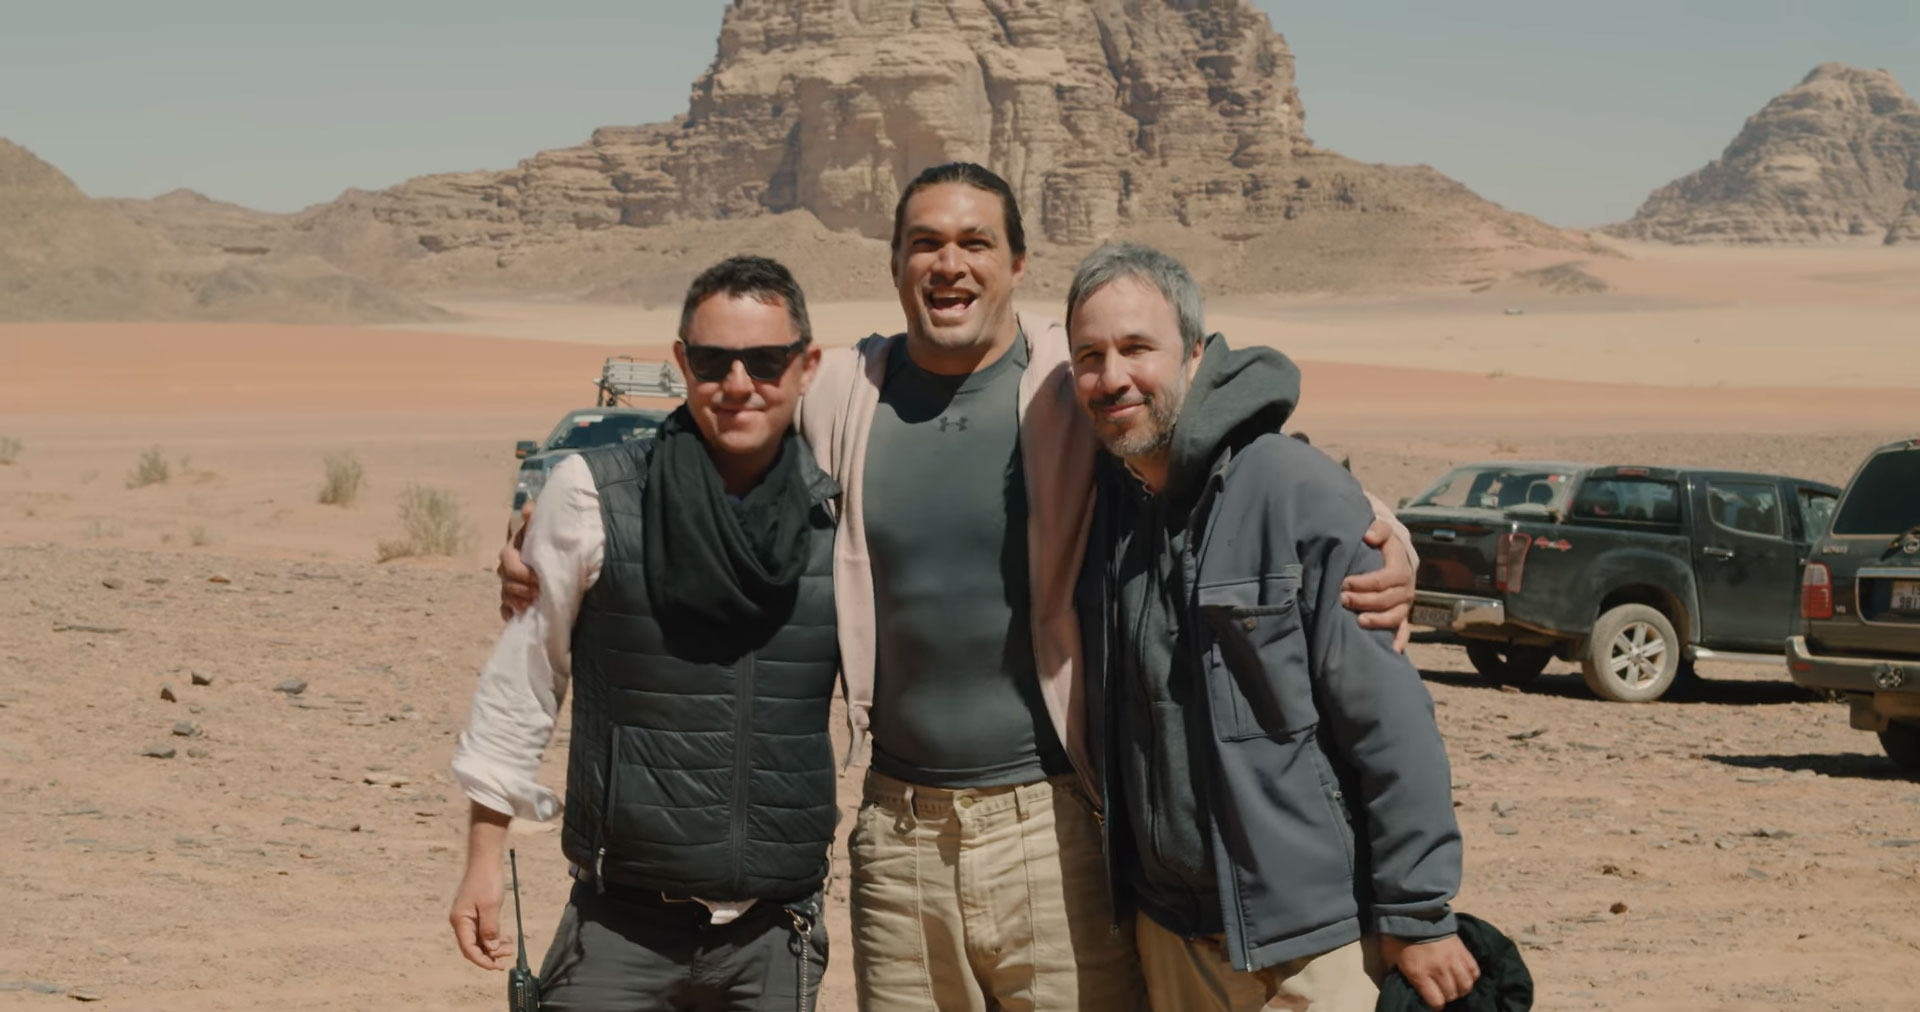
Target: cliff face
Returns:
[[1835, 158], [1172, 120]]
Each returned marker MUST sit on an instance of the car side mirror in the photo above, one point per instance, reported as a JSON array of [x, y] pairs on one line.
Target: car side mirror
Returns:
[[523, 448]]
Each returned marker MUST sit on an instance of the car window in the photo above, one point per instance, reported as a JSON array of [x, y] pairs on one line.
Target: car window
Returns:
[[1644, 500], [1748, 506], [1481, 486], [1816, 511], [602, 430], [1884, 498]]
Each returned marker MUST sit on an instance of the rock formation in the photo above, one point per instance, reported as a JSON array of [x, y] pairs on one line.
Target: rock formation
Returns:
[[1835, 158], [1176, 121], [65, 256]]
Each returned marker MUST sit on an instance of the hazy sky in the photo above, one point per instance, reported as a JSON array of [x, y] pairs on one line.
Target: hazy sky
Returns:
[[1567, 110]]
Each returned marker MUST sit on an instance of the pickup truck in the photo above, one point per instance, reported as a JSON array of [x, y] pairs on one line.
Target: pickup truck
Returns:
[[1860, 603], [1634, 572]]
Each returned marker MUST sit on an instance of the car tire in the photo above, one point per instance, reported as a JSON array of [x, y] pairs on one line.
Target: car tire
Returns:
[[1902, 742], [1633, 655], [1507, 664]]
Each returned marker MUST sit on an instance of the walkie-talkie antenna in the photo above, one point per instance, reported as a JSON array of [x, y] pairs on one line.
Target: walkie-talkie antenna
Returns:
[[519, 933]]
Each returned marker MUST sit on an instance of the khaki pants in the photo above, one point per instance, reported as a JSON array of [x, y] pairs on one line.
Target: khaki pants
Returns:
[[984, 899], [1193, 975]]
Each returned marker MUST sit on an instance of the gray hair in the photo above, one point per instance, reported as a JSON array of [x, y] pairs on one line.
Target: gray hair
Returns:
[[1116, 261]]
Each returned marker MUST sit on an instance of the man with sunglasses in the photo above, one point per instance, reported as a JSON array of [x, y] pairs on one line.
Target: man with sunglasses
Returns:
[[967, 470], [688, 598]]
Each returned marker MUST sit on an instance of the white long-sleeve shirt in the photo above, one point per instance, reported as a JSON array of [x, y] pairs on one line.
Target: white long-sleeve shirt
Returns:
[[524, 680]]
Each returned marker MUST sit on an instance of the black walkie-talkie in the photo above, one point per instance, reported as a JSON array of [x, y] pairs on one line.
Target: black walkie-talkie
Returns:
[[523, 988]]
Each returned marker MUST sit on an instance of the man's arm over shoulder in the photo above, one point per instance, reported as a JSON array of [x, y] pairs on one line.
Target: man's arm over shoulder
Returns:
[[524, 680], [1375, 713]]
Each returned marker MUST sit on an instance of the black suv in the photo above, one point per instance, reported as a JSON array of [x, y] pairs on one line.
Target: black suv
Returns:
[[1860, 603], [579, 430]]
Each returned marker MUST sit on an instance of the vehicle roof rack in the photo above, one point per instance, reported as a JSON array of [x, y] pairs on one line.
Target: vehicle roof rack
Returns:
[[623, 379]]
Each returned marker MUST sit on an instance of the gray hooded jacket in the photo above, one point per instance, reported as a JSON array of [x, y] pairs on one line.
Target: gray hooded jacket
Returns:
[[1325, 788]]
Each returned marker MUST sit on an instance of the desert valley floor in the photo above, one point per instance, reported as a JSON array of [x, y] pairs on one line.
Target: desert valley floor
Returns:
[[1736, 848]]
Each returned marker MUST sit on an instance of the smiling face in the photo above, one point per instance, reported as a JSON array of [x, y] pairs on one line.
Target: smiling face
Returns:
[[1130, 372], [739, 415], [956, 272]]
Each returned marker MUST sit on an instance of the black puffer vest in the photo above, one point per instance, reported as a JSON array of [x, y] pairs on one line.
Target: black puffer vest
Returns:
[[699, 779]]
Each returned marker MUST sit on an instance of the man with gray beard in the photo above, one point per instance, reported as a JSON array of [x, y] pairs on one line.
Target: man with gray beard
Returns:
[[1274, 784]]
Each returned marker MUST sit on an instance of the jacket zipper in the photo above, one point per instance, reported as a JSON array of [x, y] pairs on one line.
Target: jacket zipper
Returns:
[[742, 763], [1235, 925], [606, 811]]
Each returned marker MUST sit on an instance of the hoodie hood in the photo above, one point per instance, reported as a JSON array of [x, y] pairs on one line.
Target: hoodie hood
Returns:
[[1237, 394]]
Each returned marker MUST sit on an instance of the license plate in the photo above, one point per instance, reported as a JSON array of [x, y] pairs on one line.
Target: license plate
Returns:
[[1438, 618], [1906, 597]]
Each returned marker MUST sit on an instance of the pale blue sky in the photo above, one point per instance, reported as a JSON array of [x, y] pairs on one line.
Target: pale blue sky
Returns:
[[1567, 109]]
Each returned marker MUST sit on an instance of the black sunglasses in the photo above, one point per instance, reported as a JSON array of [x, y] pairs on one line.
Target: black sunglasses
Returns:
[[764, 362]]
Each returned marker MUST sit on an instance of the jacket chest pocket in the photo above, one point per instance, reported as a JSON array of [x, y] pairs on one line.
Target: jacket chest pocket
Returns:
[[1255, 662]]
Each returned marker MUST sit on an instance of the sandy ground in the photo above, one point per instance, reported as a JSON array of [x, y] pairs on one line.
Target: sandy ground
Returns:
[[298, 851]]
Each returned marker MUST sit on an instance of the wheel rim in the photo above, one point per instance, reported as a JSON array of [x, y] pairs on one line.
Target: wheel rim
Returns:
[[1637, 655]]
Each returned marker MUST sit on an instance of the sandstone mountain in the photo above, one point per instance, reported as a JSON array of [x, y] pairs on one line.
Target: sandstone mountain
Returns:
[[65, 256], [1834, 158], [1175, 121]]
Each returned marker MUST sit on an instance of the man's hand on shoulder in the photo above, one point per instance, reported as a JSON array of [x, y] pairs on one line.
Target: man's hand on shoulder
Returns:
[[1384, 597], [1441, 971], [519, 585]]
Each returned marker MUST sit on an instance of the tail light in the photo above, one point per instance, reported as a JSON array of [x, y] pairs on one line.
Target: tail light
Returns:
[[1816, 591], [1511, 562]]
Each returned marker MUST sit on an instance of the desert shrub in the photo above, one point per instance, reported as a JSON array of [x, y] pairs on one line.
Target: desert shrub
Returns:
[[9, 450], [153, 469], [341, 486], [431, 523]]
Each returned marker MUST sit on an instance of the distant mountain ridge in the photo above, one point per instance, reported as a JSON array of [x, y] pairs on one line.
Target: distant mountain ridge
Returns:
[[1835, 158]]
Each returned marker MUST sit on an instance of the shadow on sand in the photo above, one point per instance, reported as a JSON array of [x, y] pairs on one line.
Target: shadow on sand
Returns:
[[1687, 691]]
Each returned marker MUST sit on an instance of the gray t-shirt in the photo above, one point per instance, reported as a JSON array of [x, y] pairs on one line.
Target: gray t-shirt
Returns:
[[956, 701]]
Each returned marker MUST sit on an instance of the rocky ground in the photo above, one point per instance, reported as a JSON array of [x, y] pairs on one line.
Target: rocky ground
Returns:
[[223, 782]]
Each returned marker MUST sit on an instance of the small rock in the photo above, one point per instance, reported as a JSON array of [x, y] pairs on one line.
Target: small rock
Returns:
[[1805, 774], [113, 583], [1504, 808], [292, 686], [1753, 780], [1772, 834], [200, 679], [1898, 843], [1506, 829], [406, 707], [294, 820], [361, 720], [386, 780], [1528, 938], [158, 751], [1617, 908], [198, 753], [1527, 735], [166, 693], [185, 729], [1725, 844], [157, 581], [1757, 875], [195, 708], [219, 578], [85, 994]]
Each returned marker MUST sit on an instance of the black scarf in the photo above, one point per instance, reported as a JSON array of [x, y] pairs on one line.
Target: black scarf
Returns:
[[722, 577]]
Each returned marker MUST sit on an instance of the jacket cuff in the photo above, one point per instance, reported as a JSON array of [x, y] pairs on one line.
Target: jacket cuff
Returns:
[[1417, 929]]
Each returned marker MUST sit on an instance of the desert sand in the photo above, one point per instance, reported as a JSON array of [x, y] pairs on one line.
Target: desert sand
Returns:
[[299, 851]]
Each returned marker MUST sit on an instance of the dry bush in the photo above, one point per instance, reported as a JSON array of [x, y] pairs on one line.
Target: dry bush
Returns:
[[153, 469], [430, 519], [341, 487], [9, 450]]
